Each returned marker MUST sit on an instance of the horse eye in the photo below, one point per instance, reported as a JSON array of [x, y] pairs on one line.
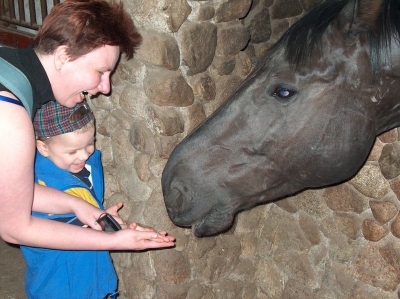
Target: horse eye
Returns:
[[283, 93]]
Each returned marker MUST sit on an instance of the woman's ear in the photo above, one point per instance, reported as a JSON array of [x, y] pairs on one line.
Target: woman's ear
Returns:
[[60, 57], [42, 148]]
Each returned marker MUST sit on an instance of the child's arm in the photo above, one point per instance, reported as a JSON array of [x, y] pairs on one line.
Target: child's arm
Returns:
[[84, 194]]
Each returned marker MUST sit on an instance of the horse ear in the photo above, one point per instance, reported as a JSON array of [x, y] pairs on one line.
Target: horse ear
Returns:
[[363, 16]]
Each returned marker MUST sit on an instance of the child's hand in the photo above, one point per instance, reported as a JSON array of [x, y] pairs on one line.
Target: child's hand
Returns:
[[113, 211], [161, 235]]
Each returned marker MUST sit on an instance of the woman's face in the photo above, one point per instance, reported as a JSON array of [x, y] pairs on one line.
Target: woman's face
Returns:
[[89, 73]]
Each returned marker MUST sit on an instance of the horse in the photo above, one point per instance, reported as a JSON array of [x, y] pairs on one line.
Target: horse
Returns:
[[306, 117]]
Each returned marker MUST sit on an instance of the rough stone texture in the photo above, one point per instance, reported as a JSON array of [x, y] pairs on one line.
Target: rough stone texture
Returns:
[[309, 4], [334, 243], [371, 182], [344, 198], [168, 89], [395, 186], [203, 12], [379, 271], [389, 160], [258, 24], [164, 121], [198, 44], [232, 38], [395, 228], [195, 116], [231, 10], [223, 65], [389, 136], [177, 12], [159, 49], [373, 231], [383, 211], [204, 88], [141, 138], [286, 9]]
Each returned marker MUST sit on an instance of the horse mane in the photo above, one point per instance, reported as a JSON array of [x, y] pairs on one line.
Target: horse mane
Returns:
[[301, 39]]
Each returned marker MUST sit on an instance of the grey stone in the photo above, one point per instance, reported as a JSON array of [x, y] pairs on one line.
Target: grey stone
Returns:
[[203, 87], [344, 198], [141, 165], [244, 65], [231, 10], [395, 227], [389, 136], [376, 151], [198, 43], [168, 88], [166, 145], [196, 290], [172, 266], [232, 38], [310, 202], [165, 121], [309, 4], [177, 12], [223, 65], [141, 138], [383, 211], [132, 101], [372, 268], [373, 231], [232, 289], [389, 160], [167, 291], [258, 24], [294, 289], [348, 224], [203, 12], [285, 9], [196, 115], [395, 186], [159, 49], [370, 182], [244, 271], [270, 278], [297, 266], [310, 228]]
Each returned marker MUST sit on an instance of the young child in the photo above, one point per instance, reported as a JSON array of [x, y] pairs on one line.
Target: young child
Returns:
[[67, 160]]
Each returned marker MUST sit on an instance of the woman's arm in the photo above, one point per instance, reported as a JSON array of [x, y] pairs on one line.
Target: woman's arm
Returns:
[[18, 196]]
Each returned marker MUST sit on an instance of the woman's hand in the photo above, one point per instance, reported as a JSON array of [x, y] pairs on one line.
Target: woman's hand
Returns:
[[134, 236], [161, 235], [141, 240]]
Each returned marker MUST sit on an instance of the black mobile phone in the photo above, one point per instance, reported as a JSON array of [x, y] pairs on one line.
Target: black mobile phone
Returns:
[[108, 223]]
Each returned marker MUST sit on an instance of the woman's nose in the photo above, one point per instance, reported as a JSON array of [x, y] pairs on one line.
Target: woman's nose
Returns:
[[105, 85]]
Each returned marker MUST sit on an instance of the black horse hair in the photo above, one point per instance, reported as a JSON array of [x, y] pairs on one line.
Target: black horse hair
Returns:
[[301, 39]]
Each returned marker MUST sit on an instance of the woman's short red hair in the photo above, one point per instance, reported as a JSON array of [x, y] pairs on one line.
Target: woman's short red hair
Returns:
[[85, 25]]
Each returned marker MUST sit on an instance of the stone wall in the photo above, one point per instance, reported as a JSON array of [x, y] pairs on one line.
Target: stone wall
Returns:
[[340, 242]]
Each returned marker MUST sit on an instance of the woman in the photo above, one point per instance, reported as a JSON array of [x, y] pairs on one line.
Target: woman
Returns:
[[74, 52]]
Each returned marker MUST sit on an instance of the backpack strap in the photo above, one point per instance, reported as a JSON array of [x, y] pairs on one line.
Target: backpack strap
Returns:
[[15, 81]]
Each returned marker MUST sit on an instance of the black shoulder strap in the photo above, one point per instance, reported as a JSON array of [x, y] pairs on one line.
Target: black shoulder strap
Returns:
[[14, 80]]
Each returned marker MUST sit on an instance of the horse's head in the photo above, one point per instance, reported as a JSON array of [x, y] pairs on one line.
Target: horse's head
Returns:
[[306, 117]]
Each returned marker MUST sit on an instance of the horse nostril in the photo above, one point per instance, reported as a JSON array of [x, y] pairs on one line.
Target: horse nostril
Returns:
[[175, 202], [179, 201]]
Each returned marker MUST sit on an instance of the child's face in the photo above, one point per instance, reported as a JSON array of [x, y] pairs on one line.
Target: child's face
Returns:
[[70, 151]]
